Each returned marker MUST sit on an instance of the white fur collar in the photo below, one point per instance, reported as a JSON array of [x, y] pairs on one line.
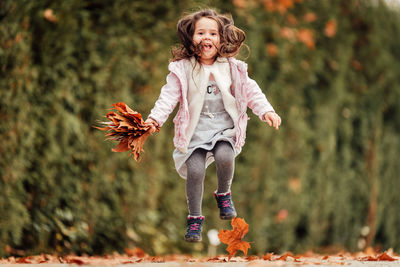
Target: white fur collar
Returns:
[[198, 77]]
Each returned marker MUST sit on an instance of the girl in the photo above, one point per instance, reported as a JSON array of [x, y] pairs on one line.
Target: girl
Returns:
[[214, 91]]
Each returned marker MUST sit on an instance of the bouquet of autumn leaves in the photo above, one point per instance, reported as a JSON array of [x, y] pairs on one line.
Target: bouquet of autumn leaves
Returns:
[[128, 128]]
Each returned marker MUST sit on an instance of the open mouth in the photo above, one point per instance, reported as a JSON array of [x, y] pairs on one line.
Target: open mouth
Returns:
[[207, 47]]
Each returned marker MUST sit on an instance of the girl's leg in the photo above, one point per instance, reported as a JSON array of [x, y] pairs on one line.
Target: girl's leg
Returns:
[[195, 181], [225, 162]]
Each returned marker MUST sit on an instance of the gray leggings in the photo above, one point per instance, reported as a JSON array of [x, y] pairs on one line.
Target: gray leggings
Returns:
[[224, 160]]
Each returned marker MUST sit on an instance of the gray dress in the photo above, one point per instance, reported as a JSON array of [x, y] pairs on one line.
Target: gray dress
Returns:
[[213, 121]]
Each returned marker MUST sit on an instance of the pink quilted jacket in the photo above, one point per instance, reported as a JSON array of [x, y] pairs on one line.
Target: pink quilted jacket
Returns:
[[245, 90]]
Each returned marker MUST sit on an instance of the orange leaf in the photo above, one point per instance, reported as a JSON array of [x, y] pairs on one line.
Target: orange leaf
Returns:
[[137, 145], [268, 256], [330, 28], [285, 256], [127, 127], [272, 49], [123, 108], [284, 5], [137, 252], [291, 19], [49, 15], [282, 215], [306, 36], [233, 238], [295, 184], [239, 3], [310, 17], [269, 5], [287, 33], [121, 147]]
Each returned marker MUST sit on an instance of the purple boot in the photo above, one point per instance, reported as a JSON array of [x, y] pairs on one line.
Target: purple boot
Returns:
[[193, 232], [226, 208]]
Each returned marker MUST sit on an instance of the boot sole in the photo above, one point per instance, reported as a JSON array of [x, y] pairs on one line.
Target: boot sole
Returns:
[[228, 217], [192, 239]]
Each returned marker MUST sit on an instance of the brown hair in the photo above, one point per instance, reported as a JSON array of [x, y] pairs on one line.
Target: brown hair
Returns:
[[231, 37]]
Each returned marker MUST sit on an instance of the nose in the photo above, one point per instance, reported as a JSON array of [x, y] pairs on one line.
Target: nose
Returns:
[[206, 36]]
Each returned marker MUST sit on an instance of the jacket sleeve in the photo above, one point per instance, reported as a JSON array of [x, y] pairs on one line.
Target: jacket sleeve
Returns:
[[256, 99], [166, 102]]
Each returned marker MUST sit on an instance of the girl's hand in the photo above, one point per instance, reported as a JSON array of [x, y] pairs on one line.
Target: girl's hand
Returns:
[[272, 119], [153, 125]]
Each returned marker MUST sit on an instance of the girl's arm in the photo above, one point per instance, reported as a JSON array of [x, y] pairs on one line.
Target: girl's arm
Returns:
[[166, 102], [259, 104], [256, 99]]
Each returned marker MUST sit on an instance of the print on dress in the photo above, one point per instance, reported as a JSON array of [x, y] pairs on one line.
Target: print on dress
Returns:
[[212, 88]]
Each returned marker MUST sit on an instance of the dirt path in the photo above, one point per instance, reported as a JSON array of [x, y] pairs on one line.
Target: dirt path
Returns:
[[139, 259]]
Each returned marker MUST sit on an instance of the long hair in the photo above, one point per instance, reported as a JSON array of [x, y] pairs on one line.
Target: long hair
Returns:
[[231, 37]]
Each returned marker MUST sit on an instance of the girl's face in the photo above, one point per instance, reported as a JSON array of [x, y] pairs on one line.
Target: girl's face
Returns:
[[206, 34]]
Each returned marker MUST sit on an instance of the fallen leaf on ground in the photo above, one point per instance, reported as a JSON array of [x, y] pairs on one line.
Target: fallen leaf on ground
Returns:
[[233, 238], [24, 260], [75, 261], [268, 256], [385, 257], [137, 252], [286, 255], [381, 257]]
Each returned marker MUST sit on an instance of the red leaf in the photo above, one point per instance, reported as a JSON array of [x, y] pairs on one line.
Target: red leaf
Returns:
[[24, 260], [381, 257], [385, 257], [75, 261], [368, 258]]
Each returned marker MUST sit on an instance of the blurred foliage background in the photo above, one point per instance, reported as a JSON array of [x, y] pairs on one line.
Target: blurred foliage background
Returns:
[[327, 179]]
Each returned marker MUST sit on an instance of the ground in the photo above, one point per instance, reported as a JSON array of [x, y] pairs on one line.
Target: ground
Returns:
[[138, 258]]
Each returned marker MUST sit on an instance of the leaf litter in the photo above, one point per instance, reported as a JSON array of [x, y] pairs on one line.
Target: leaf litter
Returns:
[[137, 255], [233, 238]]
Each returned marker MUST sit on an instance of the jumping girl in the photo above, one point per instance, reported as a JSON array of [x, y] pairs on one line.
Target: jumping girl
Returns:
[[213, 90]]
